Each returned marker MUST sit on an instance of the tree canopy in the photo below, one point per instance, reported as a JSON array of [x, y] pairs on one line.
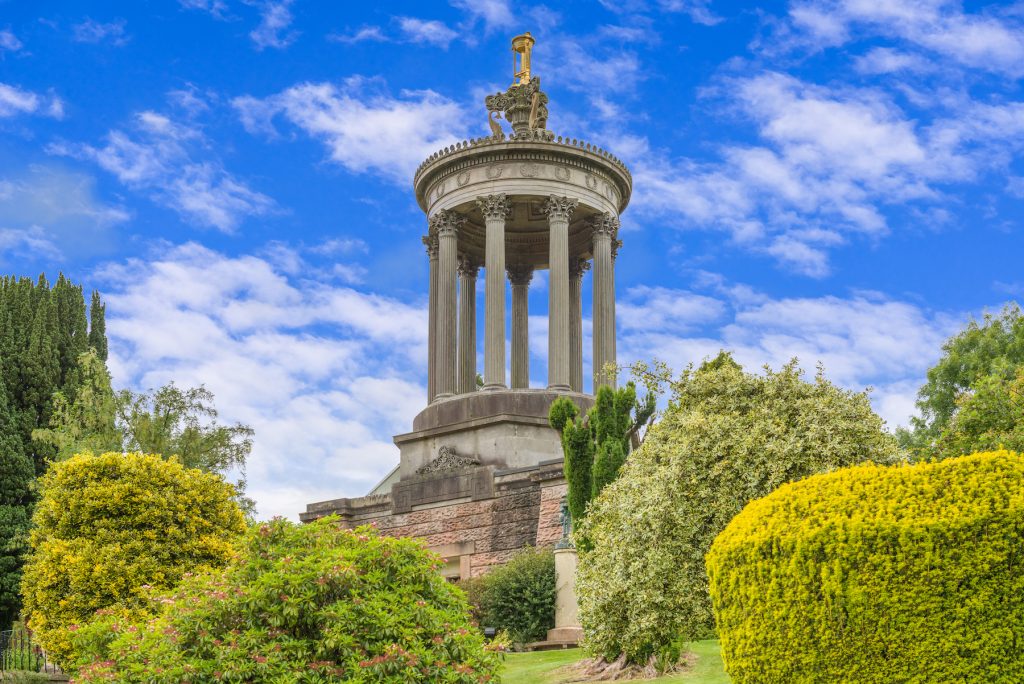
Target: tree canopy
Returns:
[[993, 347], [726, 438]]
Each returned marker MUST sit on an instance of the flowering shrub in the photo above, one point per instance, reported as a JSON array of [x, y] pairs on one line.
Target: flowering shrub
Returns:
[[877, 574], [110, 527], [304, 604]]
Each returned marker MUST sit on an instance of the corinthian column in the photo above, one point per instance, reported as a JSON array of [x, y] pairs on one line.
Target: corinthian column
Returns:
[[520, 277], [576, 269], [603, 228], [430, 242], [448, 224], [467, 325], [559, 210], [613, 330], [495, 209]]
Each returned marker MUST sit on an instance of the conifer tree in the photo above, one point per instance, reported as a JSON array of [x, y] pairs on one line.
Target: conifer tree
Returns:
[[98, 326], [16, 474], [596, 446], [43, 331]]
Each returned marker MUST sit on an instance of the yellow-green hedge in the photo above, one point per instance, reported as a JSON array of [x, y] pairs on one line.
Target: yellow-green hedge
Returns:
[[877, 574]]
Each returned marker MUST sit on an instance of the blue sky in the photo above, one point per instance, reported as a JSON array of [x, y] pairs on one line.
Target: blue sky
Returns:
[[838, 180]]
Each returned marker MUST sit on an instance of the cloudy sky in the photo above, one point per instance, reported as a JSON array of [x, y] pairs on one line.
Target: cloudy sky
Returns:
[[837, 180]]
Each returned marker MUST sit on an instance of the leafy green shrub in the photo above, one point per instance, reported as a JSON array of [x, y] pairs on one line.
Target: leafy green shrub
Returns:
[[726, 438], [109, 527], [873, 574], [517, 597], [311, 603]]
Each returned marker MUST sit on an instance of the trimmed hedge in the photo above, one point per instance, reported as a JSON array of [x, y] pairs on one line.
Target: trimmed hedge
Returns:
[[878, 574]]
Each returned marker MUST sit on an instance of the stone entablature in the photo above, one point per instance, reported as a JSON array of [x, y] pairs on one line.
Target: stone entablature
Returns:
[[455, 176]]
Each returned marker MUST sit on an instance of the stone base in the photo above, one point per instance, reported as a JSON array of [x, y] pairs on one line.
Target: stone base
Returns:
[[502, 428], [571, 635]]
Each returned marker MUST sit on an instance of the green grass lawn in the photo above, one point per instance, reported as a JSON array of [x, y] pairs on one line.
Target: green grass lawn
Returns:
[[540, 667]]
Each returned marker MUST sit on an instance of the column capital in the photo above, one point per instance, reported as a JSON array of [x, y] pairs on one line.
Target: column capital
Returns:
[[446, 222], [520, 275], [430, 242], [604, 224], [468, 267], [560, 207], [495, 206], [616, 245], [577, 267]]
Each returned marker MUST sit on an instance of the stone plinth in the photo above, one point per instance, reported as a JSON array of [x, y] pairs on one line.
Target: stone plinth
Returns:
[[500, 428], [567, 622]]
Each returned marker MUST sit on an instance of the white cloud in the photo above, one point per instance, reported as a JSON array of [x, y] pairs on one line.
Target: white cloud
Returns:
[[430, 32], [698, 10], [157, 157], [977, 40], [90, 31], [495, 14], [22, 244], [324, 374], [664, 309], [47, 205], [861, 340], [366, 33], [216, 8], [827, 166], [275, 18], [881, 60], [365, 129], [9, 41], [14, 101]]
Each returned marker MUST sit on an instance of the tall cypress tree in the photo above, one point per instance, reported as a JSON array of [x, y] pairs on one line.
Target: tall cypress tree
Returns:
[[98, 326], [43, 331], [16, 474]]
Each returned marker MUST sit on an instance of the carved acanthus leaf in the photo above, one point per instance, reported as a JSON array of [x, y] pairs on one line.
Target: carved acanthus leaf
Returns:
[[495, 206], [560, 207]]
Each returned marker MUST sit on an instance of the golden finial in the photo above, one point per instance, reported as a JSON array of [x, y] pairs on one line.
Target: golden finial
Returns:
[[521, 48]]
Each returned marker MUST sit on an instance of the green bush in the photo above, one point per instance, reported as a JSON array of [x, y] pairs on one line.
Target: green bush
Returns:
[[518, 597], [726, 438], [108, 528], [301, 604], [874, 574]]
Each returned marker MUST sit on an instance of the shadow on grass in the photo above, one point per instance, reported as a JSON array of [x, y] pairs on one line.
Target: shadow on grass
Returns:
[[542, 667]]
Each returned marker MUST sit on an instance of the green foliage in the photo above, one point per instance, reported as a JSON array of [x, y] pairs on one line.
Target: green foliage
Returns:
[[727, 437], [606, 433], [873, 574], [995, 346], [16, 475], [98, 326], [169, 421], [517, 597], [183, 423], [108, 527], [88, 424], [989, 417], [305, 604], [610, 457]]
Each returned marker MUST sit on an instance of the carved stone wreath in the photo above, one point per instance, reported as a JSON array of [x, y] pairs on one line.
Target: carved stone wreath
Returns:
[[447, 459]]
